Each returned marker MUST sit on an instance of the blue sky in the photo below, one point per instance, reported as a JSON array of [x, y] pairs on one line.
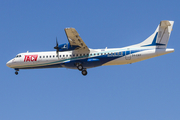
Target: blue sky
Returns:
[[147, 90]]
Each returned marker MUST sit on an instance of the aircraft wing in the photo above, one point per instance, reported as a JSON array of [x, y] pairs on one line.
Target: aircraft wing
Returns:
[[75, 40]]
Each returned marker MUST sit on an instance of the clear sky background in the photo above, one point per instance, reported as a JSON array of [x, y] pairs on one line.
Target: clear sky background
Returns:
[[147, 90]]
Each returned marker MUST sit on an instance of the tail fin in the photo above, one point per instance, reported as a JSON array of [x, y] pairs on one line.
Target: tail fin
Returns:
[[160, 38]]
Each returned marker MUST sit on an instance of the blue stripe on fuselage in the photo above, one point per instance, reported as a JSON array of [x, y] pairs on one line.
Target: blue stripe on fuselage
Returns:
[[99, 60]]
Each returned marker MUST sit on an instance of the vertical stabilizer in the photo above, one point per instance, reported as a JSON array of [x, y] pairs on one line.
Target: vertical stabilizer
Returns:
[[160, 38]]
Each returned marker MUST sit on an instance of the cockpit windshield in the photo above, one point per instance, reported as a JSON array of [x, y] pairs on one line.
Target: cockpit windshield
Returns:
[[17, 56]]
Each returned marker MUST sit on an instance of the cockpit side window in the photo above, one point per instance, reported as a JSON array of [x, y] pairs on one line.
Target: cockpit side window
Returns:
[[18, 56]]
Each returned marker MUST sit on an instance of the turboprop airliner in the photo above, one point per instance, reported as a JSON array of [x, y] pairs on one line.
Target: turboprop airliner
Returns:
[[76, 54]]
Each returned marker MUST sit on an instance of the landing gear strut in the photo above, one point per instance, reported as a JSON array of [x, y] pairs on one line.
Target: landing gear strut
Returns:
[[16, 71]]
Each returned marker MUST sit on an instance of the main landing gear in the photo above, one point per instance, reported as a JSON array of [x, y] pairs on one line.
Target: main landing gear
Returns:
[[16, 71], [84, 72], [80, 68]]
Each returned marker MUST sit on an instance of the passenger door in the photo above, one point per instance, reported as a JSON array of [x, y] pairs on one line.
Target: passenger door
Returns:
[[128, 54]]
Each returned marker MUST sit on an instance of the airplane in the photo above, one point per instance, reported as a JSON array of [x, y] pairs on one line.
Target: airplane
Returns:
[[76, 54]]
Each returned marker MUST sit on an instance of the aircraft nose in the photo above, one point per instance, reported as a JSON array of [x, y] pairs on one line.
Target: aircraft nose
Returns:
[[9, 63]]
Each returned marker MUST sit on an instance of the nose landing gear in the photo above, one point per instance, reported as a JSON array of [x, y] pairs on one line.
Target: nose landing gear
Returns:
[[16, 71]]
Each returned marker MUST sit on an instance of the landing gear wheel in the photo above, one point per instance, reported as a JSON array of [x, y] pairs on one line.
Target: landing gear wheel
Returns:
[[16, 73], [84, 72], [80, 67]]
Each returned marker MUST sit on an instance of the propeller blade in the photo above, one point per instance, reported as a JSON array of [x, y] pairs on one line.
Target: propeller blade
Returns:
[[57, 48], [58, 54], [56, 42]]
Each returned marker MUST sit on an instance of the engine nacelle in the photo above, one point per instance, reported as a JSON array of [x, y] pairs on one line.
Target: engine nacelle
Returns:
[[66, 47]]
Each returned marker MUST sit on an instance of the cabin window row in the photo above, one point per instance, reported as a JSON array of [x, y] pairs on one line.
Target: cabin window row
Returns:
[[76, 55]]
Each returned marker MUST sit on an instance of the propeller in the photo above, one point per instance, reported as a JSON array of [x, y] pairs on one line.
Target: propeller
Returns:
[[57, 48]]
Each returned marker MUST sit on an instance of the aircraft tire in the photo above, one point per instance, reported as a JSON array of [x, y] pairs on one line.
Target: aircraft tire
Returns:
[[84, 72], [80, 67], [16, 73]]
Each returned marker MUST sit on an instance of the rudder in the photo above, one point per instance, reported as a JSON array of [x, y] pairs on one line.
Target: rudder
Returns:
[[164, 33]]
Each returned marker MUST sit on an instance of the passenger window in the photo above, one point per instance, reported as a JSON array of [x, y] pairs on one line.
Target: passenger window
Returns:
[[98, 54], [50, 56], [76, 54], [39, 56], [94, 53], [80, 55], [53, 56], [91, 54], [73, 55], [59, 55], [63, 55], [70, 55], [66, 55], [43, 56], [46, 56]]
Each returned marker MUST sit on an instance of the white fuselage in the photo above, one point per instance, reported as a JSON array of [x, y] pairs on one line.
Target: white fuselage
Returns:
[[95, 58]]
